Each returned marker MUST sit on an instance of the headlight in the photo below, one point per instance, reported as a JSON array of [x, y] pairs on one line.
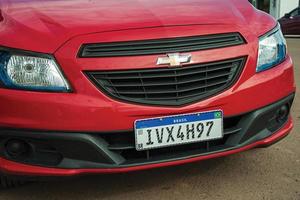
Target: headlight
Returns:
[[29, 71], [272, 50]]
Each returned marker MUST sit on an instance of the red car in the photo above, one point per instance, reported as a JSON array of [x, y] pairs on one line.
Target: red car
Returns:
[[290, 23], [116, 86]]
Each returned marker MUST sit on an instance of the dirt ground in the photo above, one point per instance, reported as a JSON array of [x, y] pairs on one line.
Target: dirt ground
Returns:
[[272, 173]]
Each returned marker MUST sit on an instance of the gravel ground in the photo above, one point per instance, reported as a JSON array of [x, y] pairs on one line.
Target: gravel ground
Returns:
[[272, 173]]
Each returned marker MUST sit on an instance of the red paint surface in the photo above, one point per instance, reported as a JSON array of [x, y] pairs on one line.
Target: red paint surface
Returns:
[[61, 27]]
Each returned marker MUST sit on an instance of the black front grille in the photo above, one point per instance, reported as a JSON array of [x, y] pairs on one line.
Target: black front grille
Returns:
[[161, 46], [169, 86]]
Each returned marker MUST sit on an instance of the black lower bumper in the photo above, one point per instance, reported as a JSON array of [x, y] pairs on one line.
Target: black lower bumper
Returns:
[[117, 149]]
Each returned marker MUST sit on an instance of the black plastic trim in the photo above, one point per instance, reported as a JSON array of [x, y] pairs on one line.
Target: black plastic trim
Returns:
[[1, 84], [160, 46]]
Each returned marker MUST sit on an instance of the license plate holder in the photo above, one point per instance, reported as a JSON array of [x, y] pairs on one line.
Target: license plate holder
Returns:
[[178, 130]]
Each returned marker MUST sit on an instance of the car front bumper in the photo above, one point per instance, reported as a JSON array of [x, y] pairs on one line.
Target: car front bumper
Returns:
[[71, 153]]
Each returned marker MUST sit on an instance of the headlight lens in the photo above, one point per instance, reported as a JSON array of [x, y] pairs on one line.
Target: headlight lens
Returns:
[[31, 72], [272, 50]]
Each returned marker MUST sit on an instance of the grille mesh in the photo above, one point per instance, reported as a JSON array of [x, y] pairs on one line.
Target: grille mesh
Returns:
[[161, 46], [169, 86]]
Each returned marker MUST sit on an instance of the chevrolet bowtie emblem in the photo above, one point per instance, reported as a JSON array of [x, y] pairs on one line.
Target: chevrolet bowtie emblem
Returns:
[[174, 59]]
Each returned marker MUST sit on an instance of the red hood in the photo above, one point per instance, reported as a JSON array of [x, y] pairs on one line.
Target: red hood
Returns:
[[54, 21]]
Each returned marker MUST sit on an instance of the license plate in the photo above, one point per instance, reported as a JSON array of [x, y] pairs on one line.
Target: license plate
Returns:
[[177, 130]]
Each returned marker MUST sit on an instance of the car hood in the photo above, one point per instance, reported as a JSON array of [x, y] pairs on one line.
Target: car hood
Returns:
[[47, 24]]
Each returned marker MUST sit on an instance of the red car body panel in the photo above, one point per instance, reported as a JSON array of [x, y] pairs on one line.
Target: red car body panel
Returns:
[[34, 22], [61, 27]]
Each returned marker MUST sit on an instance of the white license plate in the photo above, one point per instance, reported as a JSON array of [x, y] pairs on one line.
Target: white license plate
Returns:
[[177, 130]]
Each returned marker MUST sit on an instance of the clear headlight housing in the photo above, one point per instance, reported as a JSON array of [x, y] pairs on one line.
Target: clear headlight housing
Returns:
[[272, 50], [29, 71]]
